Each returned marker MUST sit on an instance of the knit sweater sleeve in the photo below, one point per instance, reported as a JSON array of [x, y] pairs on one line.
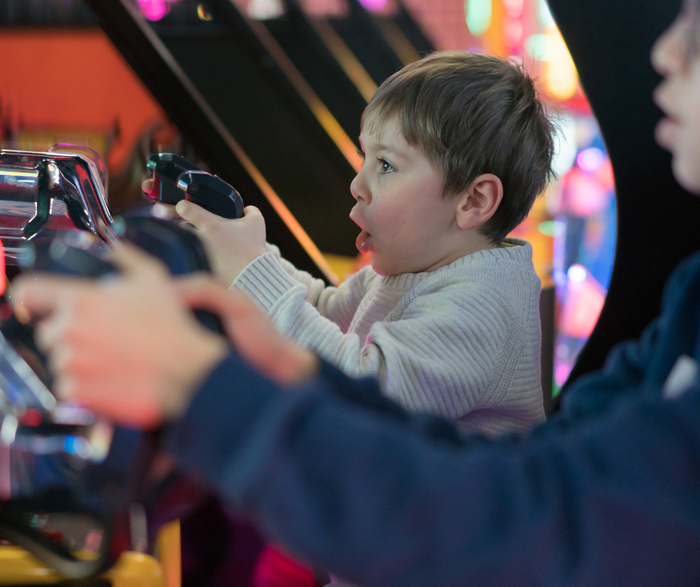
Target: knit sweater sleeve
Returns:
[[311, 282], [270, 278], [439, 357]]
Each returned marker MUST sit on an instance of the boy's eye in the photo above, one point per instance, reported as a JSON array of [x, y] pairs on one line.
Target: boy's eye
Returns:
[[361, 154], [385, 166]]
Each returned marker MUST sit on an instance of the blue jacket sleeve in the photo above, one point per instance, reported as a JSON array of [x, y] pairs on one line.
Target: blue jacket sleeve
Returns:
[[383, 497]]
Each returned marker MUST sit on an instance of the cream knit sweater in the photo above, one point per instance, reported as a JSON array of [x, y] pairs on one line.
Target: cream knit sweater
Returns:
[[462, 342]]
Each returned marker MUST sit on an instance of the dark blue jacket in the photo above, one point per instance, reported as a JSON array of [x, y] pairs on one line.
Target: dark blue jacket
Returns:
[[606, 493]]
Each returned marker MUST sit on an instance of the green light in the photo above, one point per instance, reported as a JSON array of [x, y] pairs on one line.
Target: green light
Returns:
[[478, 16], [556, 390], [536, 47], [548, 228]]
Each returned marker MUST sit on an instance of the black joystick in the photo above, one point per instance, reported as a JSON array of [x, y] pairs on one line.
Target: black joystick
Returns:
[[212, 193], [166, 169], [176, 178]]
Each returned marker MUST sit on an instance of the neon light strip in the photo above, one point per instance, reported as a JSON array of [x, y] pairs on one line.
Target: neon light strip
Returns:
[[397, 40], [269, 193], [322, 114], [345, 57], [32, 174]]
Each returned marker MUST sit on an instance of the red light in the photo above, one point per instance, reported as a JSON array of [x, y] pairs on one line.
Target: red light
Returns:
[[31, 418]]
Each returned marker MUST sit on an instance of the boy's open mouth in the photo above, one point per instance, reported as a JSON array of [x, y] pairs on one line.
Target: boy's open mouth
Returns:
[[364, 239], [364, 242]]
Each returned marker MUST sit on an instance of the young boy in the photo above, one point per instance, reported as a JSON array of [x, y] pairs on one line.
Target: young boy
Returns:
[[456, 148]]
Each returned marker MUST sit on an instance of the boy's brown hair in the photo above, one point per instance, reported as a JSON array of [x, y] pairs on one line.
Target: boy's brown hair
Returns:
[[472, 114]]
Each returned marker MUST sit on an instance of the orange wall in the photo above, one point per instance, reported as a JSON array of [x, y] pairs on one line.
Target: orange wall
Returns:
[[73, 80]]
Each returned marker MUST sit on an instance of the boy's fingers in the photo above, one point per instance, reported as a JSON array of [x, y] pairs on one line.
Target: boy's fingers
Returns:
[[147, 186], [251, 211], [195, 214]]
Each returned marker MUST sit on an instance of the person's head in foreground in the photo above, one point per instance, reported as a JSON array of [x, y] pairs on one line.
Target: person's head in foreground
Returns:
[[456, 148], [676, 56]]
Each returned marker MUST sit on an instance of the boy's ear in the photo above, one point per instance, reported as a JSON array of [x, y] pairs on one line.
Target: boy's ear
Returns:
[[479, 201]]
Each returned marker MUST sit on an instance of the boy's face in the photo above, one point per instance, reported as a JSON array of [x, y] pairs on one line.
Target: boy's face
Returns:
[[407, 226], [676, 56]]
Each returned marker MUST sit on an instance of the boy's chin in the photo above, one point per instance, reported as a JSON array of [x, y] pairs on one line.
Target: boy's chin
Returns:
[[388, 271], [688, 176], [380, 267]]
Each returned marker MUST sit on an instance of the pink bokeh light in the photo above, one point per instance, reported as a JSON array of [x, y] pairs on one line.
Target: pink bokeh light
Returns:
[[153, 9], [561, 373], [590, 159], [373, 5]]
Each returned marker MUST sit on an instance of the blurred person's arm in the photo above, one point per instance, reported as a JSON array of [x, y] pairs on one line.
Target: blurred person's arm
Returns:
[[376, 494], [384, 497]]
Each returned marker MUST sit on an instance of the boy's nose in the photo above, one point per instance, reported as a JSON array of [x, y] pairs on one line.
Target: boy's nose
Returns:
[[358, 189], [667, 52]]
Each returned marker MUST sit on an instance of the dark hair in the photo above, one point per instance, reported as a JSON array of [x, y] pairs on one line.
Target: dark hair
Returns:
[[472, 114]]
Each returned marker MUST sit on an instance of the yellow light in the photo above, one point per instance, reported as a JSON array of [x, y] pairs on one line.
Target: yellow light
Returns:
[[32, 174], [203, 13], [319, 109], [345, 57], [559, 72]]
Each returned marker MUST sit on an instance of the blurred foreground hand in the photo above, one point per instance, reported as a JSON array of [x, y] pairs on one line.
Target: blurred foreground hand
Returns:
[[130, 347]]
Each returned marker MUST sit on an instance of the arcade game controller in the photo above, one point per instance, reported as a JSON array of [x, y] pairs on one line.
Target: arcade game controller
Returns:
[[64, 468]]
